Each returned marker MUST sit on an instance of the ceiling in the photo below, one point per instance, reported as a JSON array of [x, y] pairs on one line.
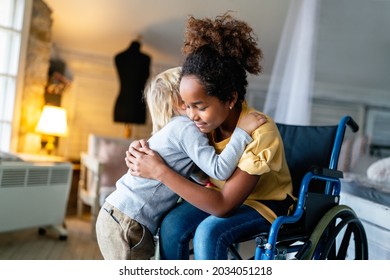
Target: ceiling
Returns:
[[108, 26]]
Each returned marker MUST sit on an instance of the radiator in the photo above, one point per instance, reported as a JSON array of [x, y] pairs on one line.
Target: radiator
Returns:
[[34, 195]]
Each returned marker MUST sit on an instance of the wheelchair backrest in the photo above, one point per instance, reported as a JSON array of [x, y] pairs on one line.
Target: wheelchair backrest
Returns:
[[305, 147]]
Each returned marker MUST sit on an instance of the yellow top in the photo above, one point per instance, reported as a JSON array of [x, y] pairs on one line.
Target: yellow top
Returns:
[[264, 156]]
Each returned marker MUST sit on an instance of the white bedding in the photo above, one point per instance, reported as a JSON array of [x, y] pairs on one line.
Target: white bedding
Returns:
[[362, 186], [371, 202]]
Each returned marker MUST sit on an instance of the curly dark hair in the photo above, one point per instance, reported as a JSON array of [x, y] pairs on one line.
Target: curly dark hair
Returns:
[[219, 53]]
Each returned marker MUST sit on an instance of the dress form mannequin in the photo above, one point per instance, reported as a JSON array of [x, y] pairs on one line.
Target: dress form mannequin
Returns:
[[133, 70]]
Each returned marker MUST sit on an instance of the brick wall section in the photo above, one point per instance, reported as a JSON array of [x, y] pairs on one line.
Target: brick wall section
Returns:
[[37, 65]]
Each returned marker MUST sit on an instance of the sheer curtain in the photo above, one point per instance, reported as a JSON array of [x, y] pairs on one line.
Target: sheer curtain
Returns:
[[291, 86]]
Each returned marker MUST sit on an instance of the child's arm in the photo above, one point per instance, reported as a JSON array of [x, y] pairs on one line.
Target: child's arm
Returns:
[[221, 166]]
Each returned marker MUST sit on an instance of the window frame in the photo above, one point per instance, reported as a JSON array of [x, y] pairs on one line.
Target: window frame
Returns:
[[17, 25]]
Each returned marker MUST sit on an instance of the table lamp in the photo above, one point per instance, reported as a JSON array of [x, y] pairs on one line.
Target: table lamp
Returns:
[[52, 123]]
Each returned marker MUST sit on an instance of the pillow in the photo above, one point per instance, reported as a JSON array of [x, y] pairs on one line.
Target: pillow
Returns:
[[112, 154], [364, 162], [380, 170]]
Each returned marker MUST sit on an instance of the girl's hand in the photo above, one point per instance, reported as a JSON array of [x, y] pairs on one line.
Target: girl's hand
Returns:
[[144, 162], [250, 122], [138, 144]]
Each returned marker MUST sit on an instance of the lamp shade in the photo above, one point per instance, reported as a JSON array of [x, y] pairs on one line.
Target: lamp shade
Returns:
[[53, 121]]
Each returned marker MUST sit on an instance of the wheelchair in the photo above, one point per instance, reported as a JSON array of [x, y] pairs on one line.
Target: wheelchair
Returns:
[[319, 227]]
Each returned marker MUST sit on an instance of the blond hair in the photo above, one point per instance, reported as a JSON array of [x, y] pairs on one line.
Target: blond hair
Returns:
[[162, 97]]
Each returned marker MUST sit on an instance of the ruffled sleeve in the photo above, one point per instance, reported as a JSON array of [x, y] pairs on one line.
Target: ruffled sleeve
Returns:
[[264, 153]]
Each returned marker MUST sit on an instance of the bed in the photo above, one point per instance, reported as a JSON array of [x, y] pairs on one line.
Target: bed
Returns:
[[366, 189]]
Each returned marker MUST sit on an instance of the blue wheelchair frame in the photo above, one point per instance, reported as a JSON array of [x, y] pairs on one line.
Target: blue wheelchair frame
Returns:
[[266, 248]]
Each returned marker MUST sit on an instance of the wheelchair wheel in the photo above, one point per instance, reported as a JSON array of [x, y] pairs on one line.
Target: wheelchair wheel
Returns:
[[338, 235]]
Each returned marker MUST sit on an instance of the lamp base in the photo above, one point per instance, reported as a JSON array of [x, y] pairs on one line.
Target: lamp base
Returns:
[[50, 145]]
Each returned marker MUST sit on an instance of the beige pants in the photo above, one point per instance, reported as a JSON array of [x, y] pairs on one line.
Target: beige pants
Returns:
[[122, 238]]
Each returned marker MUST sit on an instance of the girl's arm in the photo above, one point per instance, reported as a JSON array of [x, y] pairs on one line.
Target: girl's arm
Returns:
[[196, 145], [149, 164]]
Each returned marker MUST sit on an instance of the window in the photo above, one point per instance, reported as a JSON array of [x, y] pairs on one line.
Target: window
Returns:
[[377, 124], [11, 25]]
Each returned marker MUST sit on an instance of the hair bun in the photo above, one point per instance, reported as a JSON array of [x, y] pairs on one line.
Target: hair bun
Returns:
[[228, 36]]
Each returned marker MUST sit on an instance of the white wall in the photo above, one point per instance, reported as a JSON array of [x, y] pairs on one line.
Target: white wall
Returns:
[[90, 101]]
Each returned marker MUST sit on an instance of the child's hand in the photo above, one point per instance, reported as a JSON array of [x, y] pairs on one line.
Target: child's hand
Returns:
[[251, 121]]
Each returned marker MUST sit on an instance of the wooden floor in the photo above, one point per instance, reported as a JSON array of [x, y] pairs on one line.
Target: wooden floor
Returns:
[[28, 244]]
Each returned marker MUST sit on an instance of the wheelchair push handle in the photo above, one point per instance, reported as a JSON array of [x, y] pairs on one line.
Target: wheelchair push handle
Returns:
[[352, 124]]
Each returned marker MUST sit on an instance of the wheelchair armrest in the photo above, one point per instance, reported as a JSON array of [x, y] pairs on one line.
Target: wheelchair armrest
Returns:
[[326, 172], [330, 176]]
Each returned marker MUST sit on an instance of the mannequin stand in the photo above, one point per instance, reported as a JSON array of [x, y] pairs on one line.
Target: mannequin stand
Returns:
[[128, 130]]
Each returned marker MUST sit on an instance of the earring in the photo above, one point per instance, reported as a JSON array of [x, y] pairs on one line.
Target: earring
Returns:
[[230, 107]]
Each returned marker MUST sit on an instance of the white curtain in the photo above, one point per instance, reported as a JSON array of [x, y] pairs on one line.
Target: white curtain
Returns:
[[291, 85]]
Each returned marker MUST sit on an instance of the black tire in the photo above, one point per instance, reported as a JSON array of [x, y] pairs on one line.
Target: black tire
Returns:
[[339, 222]]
